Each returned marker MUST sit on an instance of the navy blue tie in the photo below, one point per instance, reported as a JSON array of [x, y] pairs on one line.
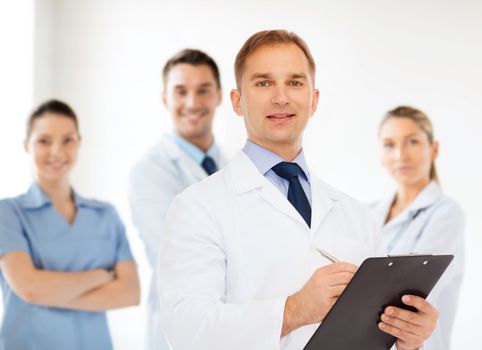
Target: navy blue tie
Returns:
[[209, 165], [296, 194]]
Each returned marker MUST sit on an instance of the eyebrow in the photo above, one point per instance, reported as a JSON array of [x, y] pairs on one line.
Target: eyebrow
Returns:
[[203, 85], [413, 134], [260, 76], [298, 76], [270, 76], [64, 135], [406, 136]]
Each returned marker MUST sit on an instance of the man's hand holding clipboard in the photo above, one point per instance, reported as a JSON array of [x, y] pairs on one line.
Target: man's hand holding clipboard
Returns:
[[383, 303], [409, 319]]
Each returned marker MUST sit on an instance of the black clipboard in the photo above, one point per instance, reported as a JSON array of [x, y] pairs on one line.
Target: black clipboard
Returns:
[[352, 323]]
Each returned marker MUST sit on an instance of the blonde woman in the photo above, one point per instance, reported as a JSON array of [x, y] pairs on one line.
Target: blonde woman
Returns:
[[418, 217]]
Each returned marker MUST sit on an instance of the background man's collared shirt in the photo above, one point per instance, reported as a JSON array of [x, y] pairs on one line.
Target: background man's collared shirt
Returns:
[[195, 152]]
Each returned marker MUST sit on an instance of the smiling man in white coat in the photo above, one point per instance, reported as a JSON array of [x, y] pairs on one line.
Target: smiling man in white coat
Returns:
[[191, 94], [239, 267]]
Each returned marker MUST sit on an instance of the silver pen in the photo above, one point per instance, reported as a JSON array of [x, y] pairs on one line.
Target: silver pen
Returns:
[[327, 255]]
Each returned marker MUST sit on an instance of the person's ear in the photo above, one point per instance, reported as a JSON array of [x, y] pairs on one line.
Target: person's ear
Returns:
[[236, 101], [435, 149], [164, 99], [26, 147], [314, 102]]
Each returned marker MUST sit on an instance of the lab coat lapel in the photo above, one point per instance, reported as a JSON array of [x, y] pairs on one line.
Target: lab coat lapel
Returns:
[[323, 200], [247, 177], [426, 198], [381, 208], [277, 200], [192, 171]]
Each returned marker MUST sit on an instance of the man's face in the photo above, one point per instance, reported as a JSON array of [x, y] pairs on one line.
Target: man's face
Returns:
[[276, 96], [191, 95]]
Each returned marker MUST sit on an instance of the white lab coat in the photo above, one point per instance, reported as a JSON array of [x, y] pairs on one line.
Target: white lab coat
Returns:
[[234, 248], [432, 223], [163, 172]]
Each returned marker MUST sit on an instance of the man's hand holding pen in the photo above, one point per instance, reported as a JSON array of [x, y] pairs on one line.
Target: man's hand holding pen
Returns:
[[312, 302]]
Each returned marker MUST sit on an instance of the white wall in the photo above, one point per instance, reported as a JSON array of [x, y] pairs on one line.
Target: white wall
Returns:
[[105, 57], [16, 91]]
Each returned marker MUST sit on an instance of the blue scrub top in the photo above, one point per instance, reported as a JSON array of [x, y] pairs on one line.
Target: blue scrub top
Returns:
[[96, 239]]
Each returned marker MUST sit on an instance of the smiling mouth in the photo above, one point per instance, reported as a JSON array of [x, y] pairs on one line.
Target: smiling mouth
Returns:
[[197, 114], [193, 117], [57, 165], [280, 116], [403, 168]]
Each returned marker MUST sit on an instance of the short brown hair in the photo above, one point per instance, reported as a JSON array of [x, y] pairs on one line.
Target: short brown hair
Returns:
[[270, 37], [419, 118], [193, 57]]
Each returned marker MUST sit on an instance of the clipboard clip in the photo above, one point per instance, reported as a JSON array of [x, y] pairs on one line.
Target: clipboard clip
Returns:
[[410, 254]]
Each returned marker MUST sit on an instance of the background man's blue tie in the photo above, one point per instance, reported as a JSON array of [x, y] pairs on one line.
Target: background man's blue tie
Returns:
[[296, 194], [209, 165]]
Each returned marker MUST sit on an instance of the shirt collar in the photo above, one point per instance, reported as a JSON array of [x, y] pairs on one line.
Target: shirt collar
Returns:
[[88, 203], [193, 151], [264, 159], [35, 198], [427, 197]]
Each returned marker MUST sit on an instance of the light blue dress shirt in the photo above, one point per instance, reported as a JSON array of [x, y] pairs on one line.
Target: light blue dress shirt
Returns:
[[195, 152], [96, 239], [264, 160]]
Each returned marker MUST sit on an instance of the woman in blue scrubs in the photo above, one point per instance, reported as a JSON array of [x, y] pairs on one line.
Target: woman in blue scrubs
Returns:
[[64, 259], [418, 217]]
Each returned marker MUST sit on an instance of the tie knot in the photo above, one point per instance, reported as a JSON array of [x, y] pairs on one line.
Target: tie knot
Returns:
[[209, 165], [287, 170]]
